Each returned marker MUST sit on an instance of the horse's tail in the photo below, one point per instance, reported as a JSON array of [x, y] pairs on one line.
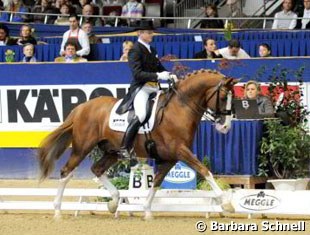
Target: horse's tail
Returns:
[[54, 145]]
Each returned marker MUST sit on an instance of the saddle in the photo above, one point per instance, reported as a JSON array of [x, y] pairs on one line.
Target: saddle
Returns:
[[123, 112]]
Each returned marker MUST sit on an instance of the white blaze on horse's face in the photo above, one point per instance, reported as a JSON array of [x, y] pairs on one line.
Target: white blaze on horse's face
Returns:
[[225, 127]]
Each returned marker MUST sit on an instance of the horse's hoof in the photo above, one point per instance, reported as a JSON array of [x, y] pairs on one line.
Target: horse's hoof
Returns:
[[228, 207], [148, 216], [57, 215], [112, 206]]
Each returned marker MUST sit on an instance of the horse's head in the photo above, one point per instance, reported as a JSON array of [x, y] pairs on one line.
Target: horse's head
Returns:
[[218, 99]]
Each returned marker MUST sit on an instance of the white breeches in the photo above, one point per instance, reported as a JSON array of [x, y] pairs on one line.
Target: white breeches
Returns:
[[139, 103]]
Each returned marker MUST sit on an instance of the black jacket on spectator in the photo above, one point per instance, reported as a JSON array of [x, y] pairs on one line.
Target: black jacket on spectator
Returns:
[[30, 40], [203, 55], [299, 24], [211, 24]]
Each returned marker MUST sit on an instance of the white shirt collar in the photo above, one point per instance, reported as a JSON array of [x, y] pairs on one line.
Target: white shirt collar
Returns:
[[148, 46]]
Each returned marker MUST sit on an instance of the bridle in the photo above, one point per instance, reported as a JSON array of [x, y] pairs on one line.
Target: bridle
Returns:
[[207, 113]]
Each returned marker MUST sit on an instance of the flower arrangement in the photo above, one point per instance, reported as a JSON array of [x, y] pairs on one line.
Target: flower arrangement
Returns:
[[285, 147], [9, 56]]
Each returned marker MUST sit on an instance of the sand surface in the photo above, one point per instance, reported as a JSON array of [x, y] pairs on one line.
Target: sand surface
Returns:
[[42, 222]]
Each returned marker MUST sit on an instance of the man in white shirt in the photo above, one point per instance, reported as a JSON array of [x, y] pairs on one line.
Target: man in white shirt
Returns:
[[285, 19], [304, 23], [77, 36], [233, 51]]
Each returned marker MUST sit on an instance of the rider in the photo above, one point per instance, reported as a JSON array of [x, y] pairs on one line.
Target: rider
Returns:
[[147, 70]]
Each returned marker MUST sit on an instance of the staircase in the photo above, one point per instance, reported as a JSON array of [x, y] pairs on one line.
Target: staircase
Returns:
[[259, 8]]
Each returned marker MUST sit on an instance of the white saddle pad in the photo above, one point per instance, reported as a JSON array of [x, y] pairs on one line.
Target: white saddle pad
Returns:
[[119, 122]]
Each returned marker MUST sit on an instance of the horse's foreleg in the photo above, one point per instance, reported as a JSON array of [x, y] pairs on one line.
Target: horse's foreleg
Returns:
[[163, 169], [60, 191], [185, 155]]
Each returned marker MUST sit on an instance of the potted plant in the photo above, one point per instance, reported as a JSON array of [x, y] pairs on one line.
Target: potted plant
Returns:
[[285, 147]]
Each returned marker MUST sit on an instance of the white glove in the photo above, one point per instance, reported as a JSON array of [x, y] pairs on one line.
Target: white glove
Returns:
[[163, 75], [174, 77]]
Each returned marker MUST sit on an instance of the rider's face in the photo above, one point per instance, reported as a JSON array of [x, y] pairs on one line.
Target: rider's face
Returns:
[[146, 35]]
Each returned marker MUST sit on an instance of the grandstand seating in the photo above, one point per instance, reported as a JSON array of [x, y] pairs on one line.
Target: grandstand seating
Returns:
[[179, 42]]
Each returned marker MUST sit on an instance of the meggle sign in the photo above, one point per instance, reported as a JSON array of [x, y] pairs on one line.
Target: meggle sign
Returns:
[[259, 202], [180, 177]]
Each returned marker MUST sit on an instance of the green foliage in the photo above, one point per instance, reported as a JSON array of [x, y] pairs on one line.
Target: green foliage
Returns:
[[202, 184], [120, 182], [285, 151], [285, 148], [228, 31]]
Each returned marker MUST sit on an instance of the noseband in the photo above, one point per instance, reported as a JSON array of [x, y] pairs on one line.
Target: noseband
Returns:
[[212, 115]]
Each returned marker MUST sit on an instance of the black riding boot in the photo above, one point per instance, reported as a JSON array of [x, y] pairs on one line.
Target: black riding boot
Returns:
[[129, 137]]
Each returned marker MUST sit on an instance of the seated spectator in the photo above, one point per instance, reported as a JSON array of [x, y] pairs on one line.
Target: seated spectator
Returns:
[[44, 6], [127, 46], [289, 21], [15, 6], [233, 51], [264, 50], [28, 51], [210, 50], [88, 12], [252, 91], [88, 28], [25, 36], [79, 6], [63, 19], [304, 23], [77, 36], [70, 54], [5, 39], [211, 23], [133, 9]]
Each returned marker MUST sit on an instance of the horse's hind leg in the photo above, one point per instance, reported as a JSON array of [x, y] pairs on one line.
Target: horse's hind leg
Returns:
[[66, 174], [163, 169], [99, 167]]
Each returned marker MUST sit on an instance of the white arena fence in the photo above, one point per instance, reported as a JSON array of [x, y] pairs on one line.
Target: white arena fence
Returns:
[[245, 201]]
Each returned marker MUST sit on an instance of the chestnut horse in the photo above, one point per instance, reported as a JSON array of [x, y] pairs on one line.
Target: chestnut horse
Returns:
[[88, 125]]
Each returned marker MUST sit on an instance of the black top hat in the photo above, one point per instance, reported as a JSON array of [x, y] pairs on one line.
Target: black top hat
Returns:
[[145, 25]]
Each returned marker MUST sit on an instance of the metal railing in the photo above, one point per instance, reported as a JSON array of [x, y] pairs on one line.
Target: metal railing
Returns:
[[187, 20]]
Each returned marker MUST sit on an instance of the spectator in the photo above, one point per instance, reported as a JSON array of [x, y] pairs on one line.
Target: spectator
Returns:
[[304, 23], [210, 50], [264, 50], [133, 9], [25, 36], [88, 28], [15, 6], [211, 23], [127, 46], [79, 7], [253, 91], [70, 54], [28, 51], [289, 18], [234, 51], [5, 39], [77, 36], [63, 19], [88, 12], [45, 6]]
